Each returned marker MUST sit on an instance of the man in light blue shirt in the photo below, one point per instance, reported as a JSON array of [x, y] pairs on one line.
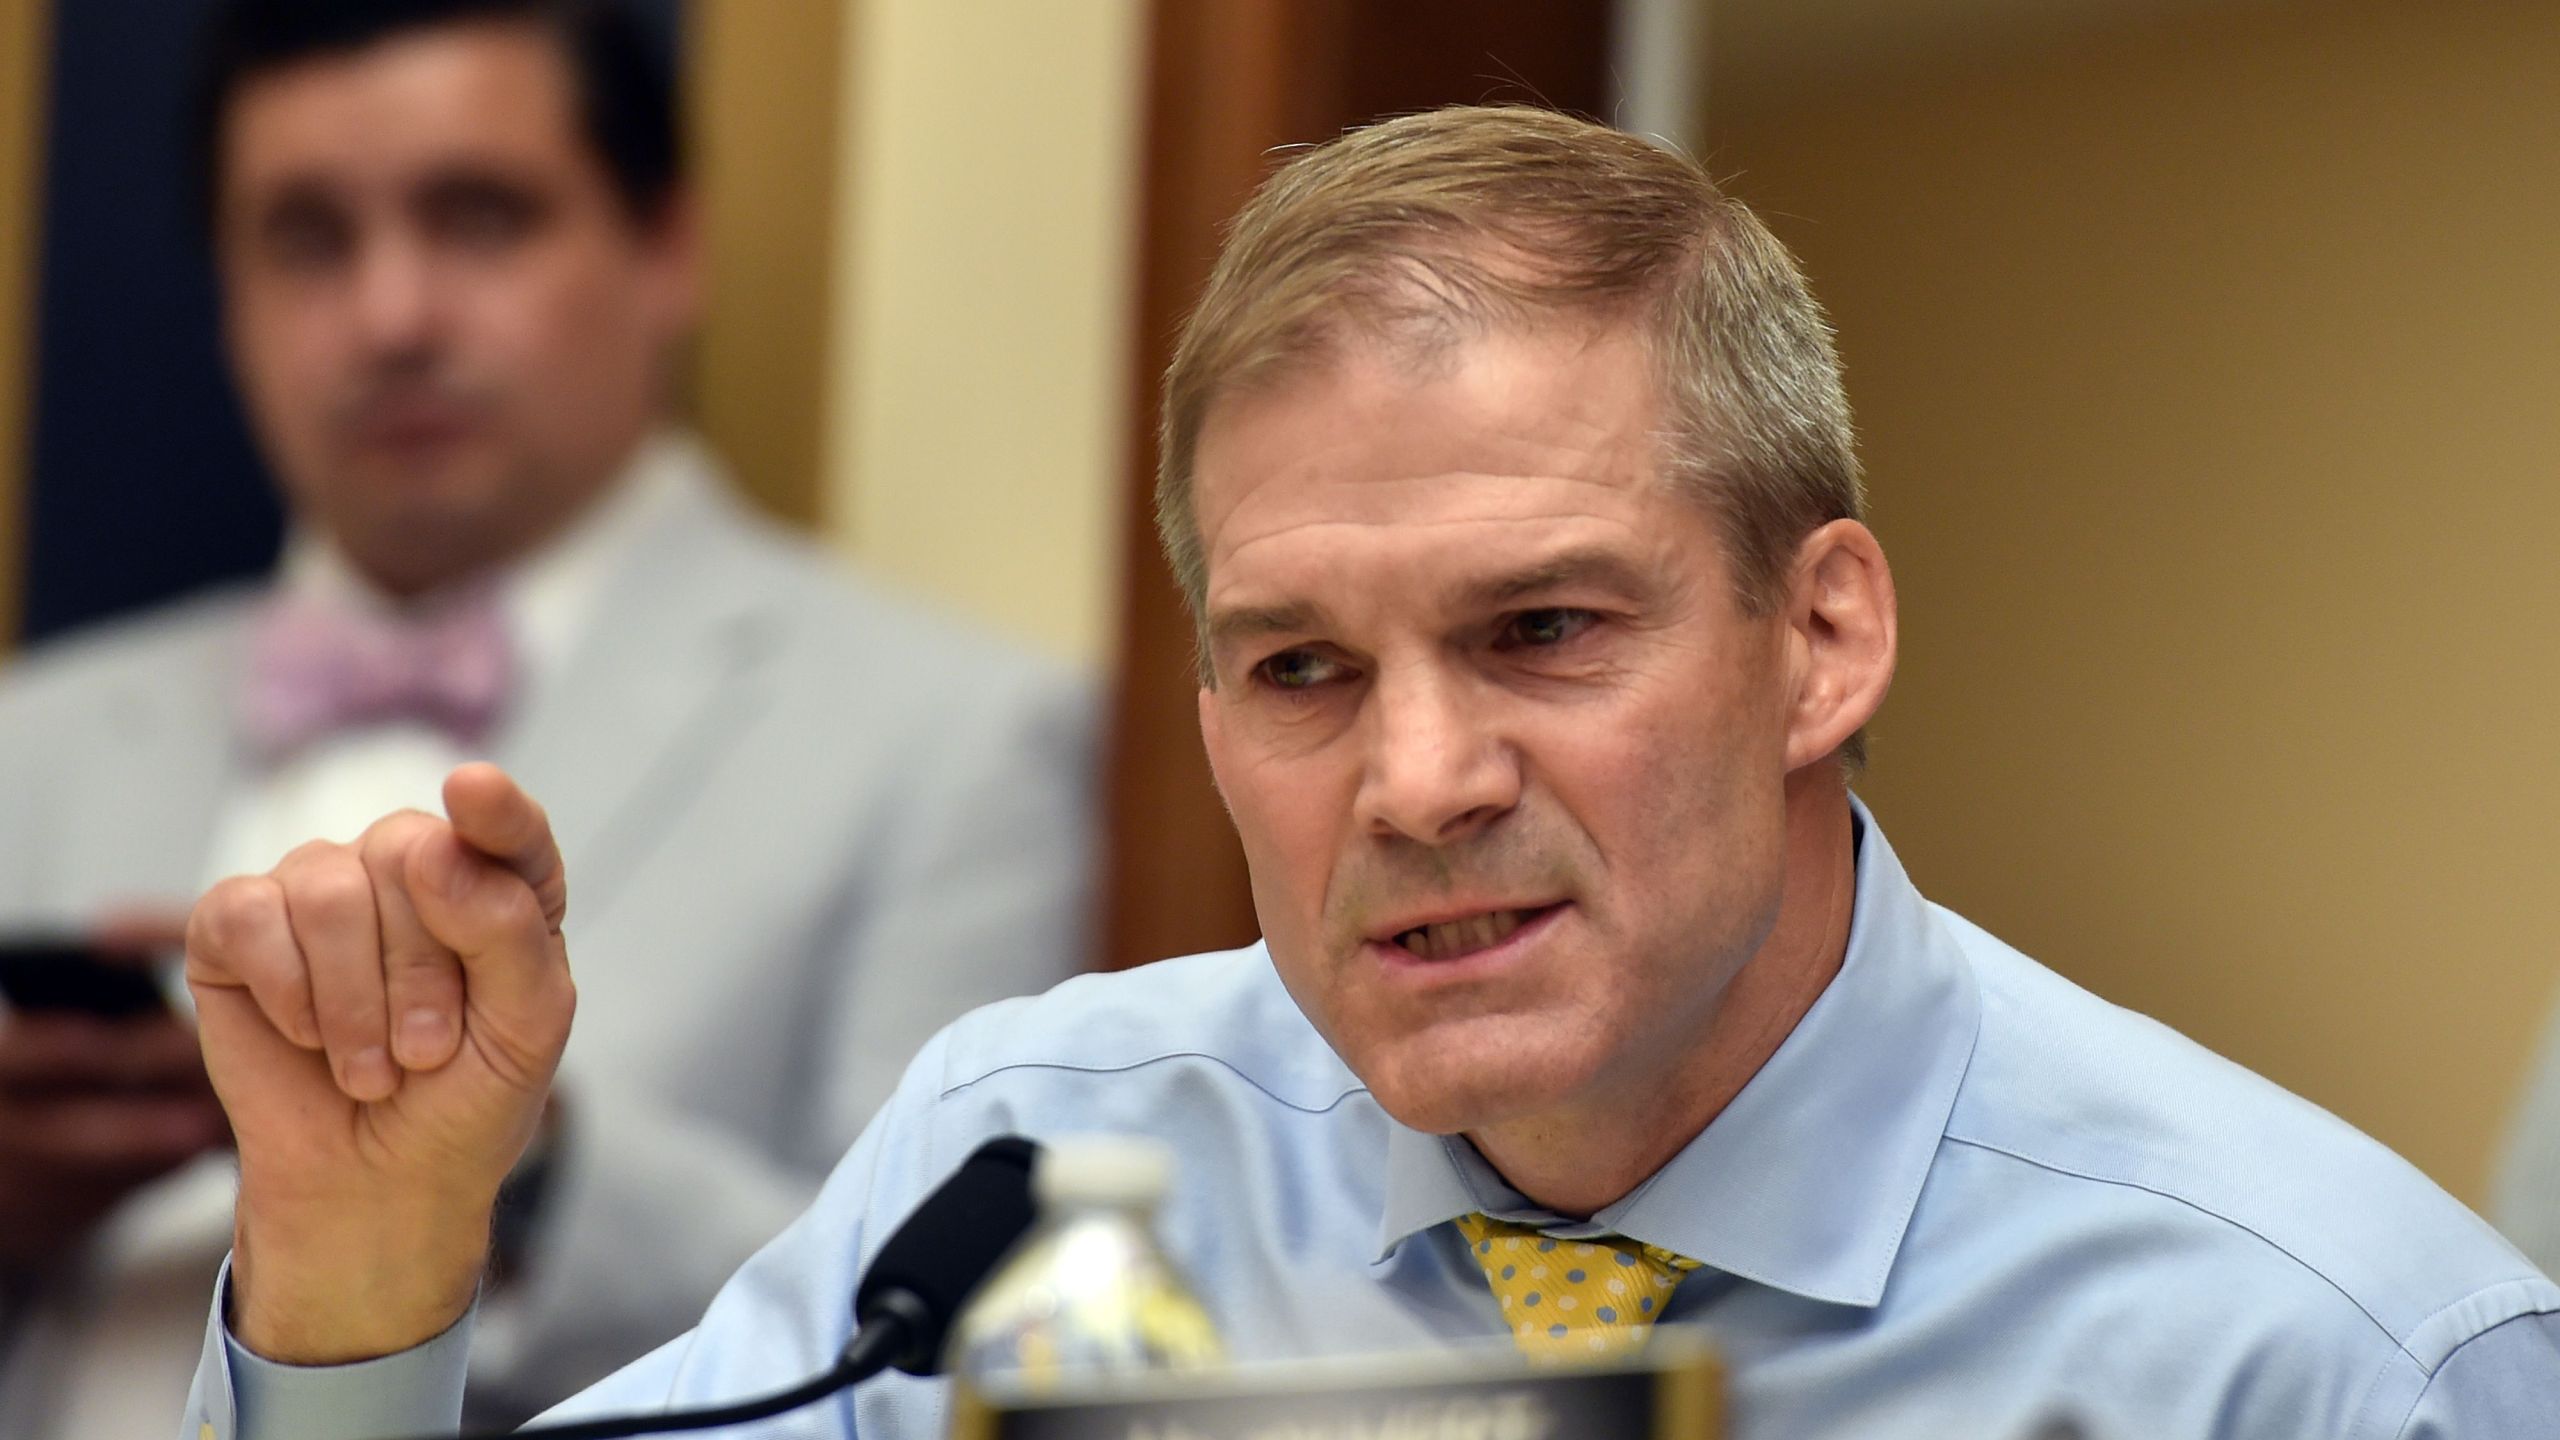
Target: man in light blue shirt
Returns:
[[1506, 467]]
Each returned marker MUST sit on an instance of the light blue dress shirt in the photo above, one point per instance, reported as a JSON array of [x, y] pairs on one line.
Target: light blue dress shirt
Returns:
[[1964, 1198]]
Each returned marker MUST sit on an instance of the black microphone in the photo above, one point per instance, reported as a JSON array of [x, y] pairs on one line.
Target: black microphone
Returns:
[[944, 1252], [904, 1306]]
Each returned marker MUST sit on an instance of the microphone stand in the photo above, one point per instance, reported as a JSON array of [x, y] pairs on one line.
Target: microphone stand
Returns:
[[873, 1348], [903, 1308]]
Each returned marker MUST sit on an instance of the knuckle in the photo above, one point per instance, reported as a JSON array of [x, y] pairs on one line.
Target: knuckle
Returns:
[[511, 907], [332, 886], [304, 855], [234, 915], [401, 824], [389, 838]]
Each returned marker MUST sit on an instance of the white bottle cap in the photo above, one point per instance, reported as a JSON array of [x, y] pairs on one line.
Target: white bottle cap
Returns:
[[1129, 1171]]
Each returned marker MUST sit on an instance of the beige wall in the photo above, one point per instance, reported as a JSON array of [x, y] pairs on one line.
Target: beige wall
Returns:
[[976, 449], [764, 90], [2210, 384]]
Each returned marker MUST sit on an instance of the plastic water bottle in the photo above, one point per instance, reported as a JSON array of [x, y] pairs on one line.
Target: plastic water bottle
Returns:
[[1089, 1292]]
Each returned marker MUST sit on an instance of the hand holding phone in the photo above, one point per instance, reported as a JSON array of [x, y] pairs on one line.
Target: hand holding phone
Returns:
[[44, 973], [102, 1089]]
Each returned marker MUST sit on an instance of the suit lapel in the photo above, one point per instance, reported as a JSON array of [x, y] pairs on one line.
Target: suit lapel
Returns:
[[674, 664], [151, 785]]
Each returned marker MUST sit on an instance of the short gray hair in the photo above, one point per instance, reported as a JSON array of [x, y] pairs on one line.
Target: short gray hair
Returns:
[[1457, 218]]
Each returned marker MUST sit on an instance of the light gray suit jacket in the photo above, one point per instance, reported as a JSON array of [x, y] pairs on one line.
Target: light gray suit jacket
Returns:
[[805, 824]]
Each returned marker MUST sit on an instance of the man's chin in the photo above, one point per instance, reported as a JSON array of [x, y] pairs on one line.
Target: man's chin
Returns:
[[418, 547], [467, 456], [1446, 1094]]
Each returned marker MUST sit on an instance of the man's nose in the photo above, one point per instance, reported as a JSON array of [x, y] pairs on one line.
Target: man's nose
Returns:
[[1438, 769], [395, 297]]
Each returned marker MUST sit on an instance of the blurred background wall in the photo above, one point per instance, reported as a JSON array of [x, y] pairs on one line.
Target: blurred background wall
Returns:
[[139, 479], [2202, 353], [975, 447], [2207, 362], [919, 315]]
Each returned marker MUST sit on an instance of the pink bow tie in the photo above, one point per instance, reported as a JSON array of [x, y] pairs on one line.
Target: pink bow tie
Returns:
[[315, 670]]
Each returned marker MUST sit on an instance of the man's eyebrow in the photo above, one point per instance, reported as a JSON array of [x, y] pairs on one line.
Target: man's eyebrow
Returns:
[[1234, 627], [470, 178], [299, 190], [1592, 567]]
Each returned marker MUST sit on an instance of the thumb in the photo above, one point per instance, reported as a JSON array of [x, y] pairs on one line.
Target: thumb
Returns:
[[493, 815]]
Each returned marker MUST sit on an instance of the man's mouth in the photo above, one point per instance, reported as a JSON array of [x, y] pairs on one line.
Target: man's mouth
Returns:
[[411, 426], [408, 416], [1449, 939]]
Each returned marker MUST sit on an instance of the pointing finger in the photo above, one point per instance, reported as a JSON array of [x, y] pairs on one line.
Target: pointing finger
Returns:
[[515, 971], [494, 816]]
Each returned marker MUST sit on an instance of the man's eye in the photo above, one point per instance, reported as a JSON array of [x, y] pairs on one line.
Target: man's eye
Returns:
[[305, 240], [1296, 670], [1538, 629], [486, 223], [482, 216]]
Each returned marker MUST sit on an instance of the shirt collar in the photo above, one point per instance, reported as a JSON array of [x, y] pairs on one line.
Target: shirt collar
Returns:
[[550, 594], [1807, 1180]]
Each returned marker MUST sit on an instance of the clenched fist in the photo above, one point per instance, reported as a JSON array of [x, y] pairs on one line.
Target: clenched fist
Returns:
[[381, 1021]]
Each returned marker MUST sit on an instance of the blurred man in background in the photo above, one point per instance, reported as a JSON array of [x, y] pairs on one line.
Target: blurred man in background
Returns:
[[457, 259]]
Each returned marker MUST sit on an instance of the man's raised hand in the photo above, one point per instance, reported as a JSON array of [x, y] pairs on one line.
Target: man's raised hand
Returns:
[[381, 1020]]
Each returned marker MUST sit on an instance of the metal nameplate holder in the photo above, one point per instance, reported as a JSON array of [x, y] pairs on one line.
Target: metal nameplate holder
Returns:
[[1672, 1390]]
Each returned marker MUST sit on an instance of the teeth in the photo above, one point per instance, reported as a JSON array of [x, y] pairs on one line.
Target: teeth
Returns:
[[1453, 938]]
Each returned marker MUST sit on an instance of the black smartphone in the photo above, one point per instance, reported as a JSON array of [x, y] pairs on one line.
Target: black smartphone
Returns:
[[58, 972]]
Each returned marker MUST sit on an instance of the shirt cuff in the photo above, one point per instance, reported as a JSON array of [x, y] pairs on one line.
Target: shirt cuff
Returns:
[[415, 1392]]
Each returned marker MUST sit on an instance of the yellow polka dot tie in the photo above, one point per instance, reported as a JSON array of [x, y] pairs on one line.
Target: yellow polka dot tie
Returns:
[[1566, 1298]]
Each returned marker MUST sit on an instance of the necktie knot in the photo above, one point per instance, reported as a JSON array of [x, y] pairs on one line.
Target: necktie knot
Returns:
[[317, 669], [1573, 1298]]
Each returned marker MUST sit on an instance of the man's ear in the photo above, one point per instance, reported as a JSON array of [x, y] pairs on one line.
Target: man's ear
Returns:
[[673, 241], [1841, 637]]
